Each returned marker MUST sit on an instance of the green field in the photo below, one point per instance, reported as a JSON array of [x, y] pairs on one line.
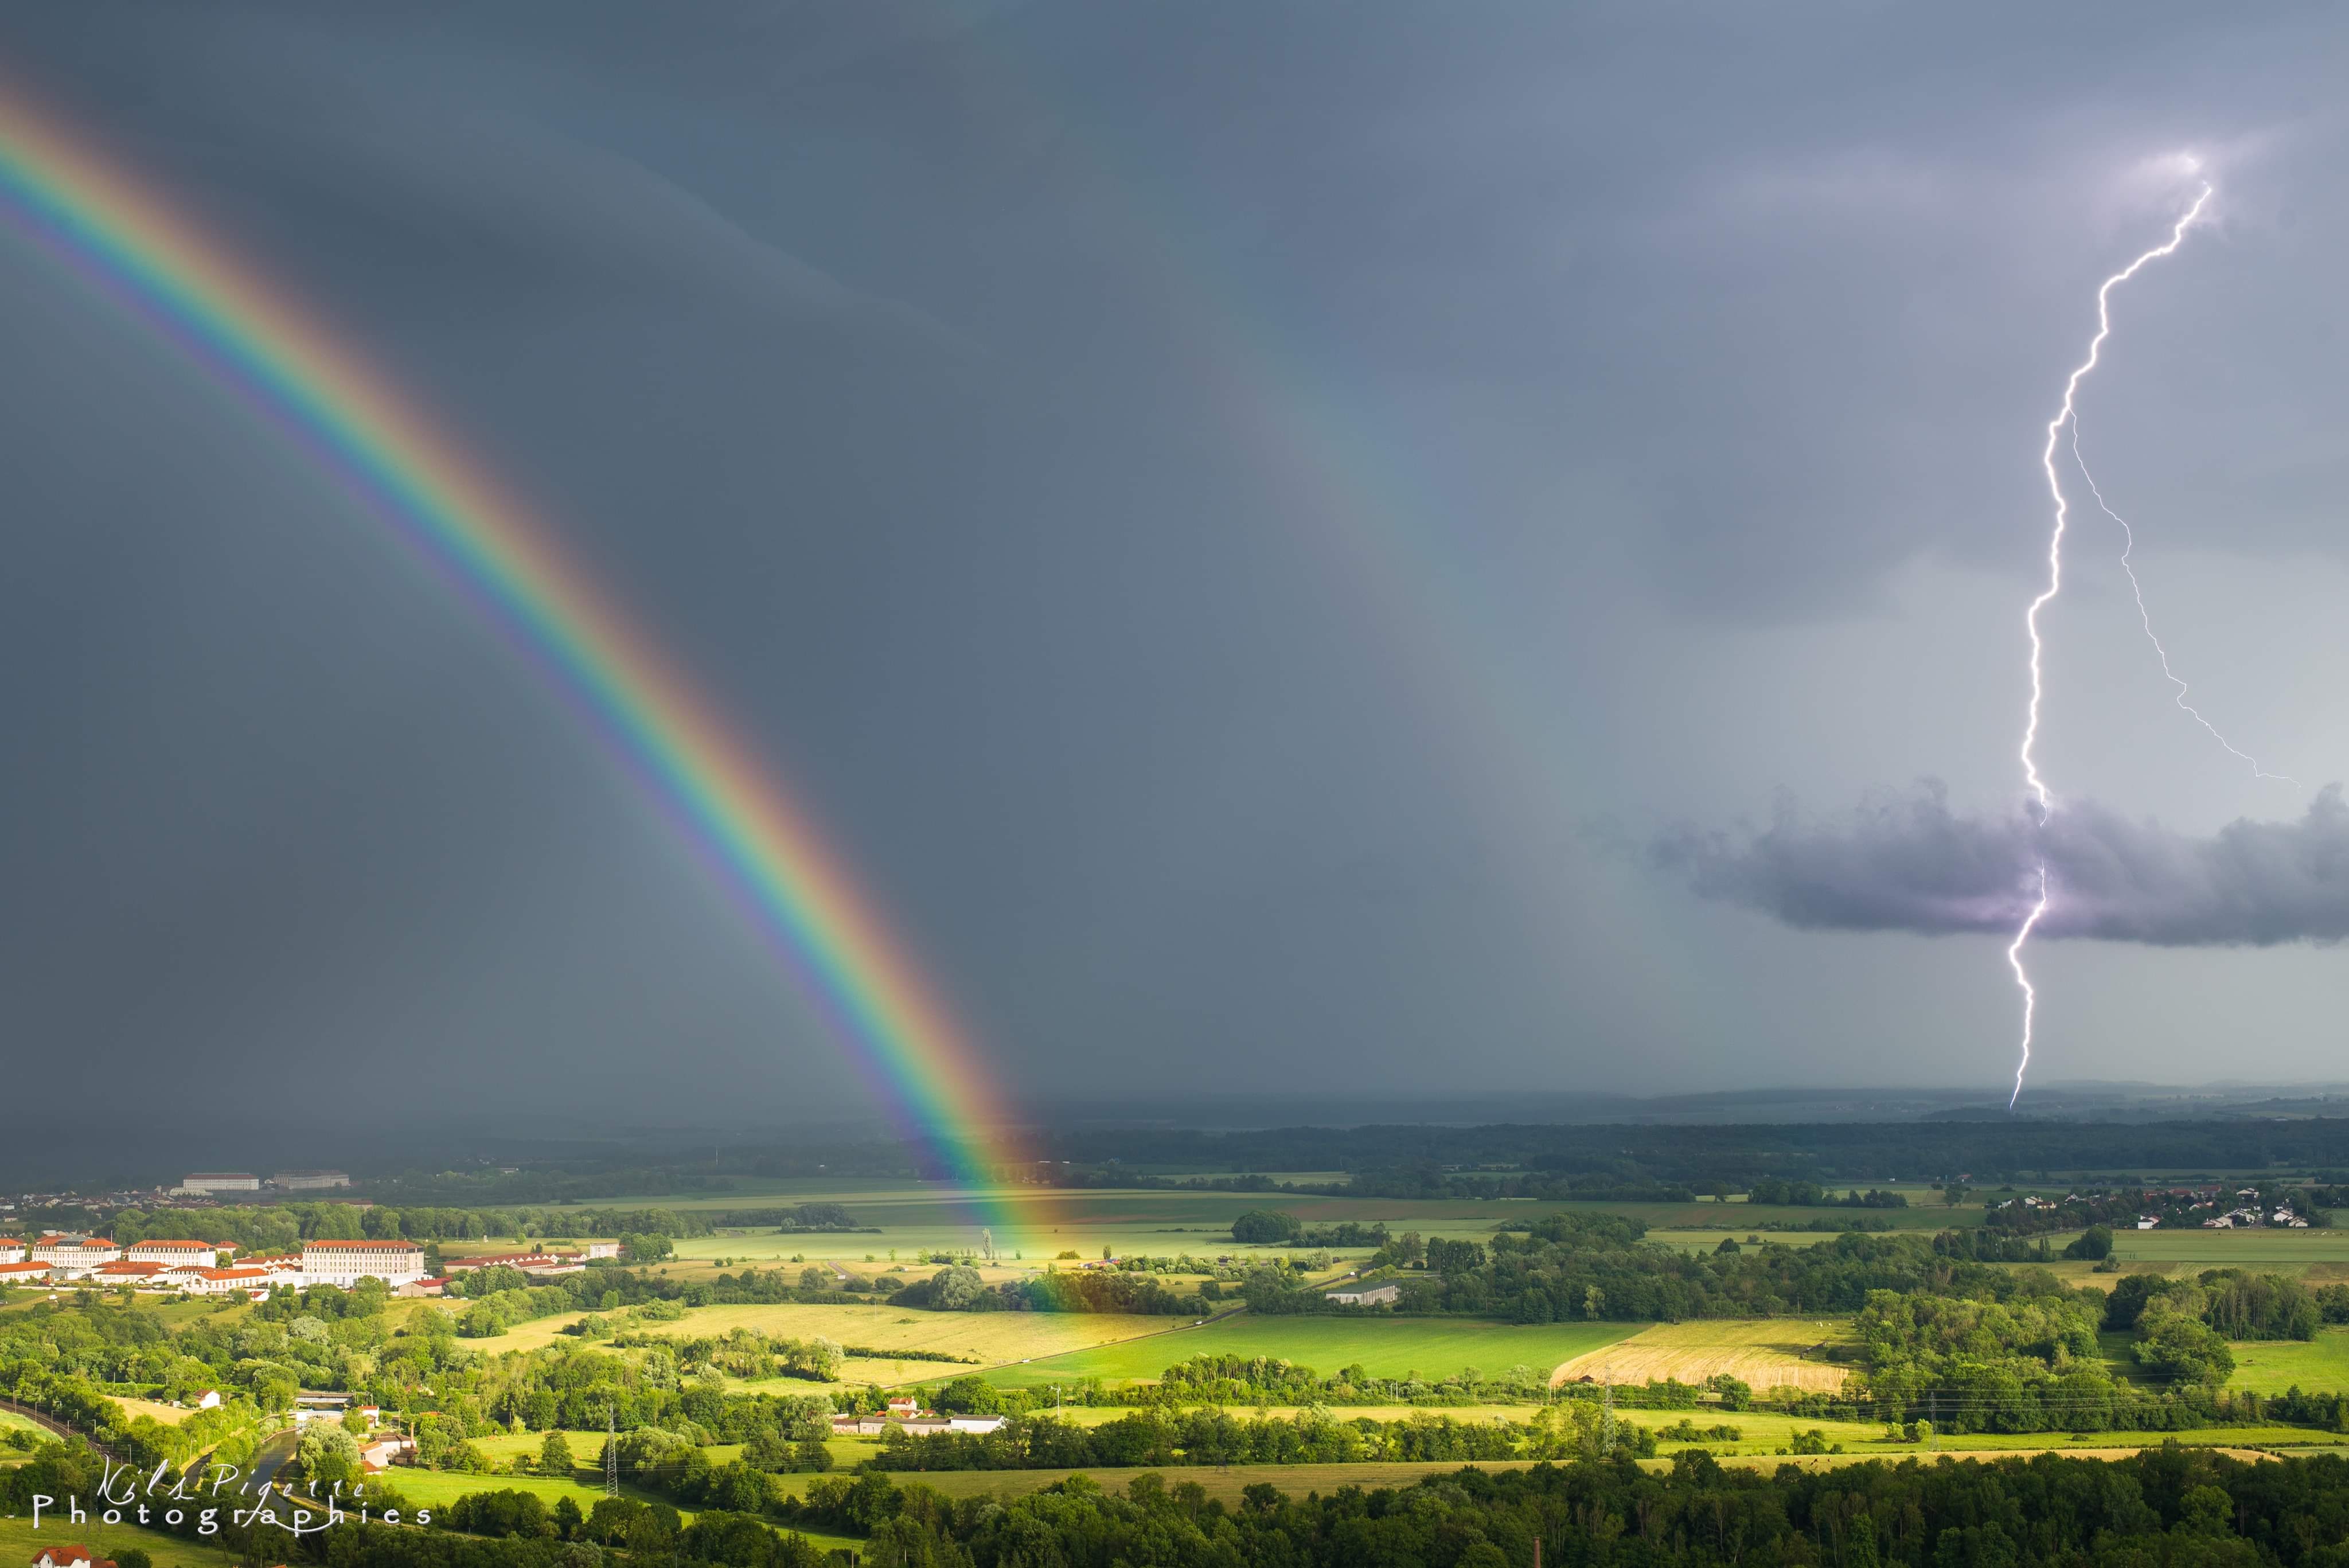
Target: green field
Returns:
[[2270, 1366], [1435, 1348]]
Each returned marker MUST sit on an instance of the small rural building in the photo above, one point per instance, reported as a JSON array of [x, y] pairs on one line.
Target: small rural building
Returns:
[[980, 1423], [1378, 1295], [853, 1426], [73, 1556]]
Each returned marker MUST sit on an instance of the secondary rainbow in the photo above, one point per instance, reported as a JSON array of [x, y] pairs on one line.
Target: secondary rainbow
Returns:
[[87, 212]]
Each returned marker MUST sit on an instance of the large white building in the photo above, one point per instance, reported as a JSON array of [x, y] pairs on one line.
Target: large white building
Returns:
[[345, 1264], [72, 1254], [171, 1252], [306, 1181], [219, 1182], [23, 1273]]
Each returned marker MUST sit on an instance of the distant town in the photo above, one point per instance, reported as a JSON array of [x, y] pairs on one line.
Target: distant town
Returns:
[[198, 1267]]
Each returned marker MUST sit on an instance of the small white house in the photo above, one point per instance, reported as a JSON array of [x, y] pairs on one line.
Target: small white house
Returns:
[[207, 1400]]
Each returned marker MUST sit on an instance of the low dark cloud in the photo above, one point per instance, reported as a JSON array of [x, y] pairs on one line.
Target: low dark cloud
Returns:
[[1908, 863]]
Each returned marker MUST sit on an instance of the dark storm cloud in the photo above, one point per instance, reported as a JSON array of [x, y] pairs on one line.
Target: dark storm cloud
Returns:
[[1911, 864], [1121, 466]]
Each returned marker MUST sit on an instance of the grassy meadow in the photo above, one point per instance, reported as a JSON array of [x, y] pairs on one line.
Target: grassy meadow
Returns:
[[20, 1542], [2270, 1366]]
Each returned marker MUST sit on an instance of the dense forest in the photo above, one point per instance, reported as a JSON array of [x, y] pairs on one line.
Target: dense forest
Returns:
[[2171, 1507]]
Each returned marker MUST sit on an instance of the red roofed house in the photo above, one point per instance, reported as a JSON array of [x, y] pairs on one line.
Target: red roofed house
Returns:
[[223, 1282], [345, 1264], [76, 1556], [127, 1273], [74, 1254], [23, 1273]]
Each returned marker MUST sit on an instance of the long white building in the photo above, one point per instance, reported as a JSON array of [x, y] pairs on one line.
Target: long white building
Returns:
[[171, 1252], [345, 1264]]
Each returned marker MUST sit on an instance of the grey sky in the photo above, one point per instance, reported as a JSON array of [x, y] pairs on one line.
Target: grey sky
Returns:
[[1231, 512]]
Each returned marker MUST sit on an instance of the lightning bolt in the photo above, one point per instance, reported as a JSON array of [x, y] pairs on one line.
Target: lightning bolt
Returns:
[[2065, 415], [2145, 618]]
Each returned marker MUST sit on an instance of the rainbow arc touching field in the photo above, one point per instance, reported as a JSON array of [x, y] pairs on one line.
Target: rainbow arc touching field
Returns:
[[90, 215]]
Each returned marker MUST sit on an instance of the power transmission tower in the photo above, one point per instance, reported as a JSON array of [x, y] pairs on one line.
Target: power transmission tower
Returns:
[[611, 1452]]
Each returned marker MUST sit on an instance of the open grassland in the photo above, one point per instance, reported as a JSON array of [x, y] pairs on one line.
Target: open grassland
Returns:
[[2322, 1254], [1767, 1353], [2270, 1366], [1385, 1347]]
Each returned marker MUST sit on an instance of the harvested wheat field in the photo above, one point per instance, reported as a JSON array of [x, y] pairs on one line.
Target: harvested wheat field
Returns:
[[1765, 1352]]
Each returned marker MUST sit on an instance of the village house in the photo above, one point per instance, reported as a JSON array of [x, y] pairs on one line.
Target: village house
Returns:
[[378, 1457], [852, 1425], [976, 1424], [603, 1249], [72, 1556]]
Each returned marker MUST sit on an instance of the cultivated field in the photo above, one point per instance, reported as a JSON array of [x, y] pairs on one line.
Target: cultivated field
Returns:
[[1767, 1353], [992, 1338], [1435, 1348]]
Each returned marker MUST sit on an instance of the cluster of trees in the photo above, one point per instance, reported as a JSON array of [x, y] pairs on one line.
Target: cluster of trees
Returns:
[[960, 1288], [1210, 1436], [280, 1227], [1811, 1195], [2179, 1507], [1268, 1380]]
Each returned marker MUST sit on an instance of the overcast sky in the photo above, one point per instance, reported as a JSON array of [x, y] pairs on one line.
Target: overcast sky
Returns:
[[1404, 546]]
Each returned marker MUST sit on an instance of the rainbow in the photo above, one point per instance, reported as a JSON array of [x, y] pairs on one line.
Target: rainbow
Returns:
[[89, 213]]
